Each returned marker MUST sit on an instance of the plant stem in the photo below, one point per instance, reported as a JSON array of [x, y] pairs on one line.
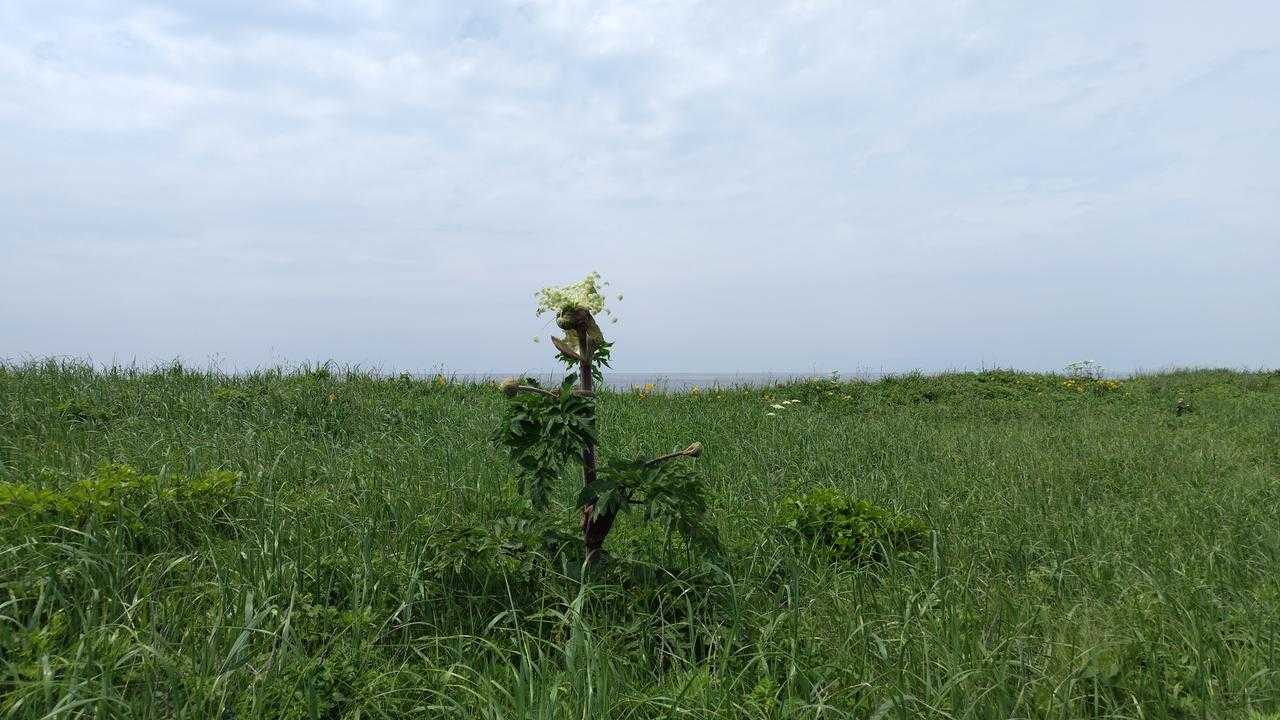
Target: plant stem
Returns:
[[584, 371], [693, 450], [593, 530], [537, 390]]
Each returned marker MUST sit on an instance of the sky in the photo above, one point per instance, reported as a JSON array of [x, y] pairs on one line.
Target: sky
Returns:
[[773, 186]]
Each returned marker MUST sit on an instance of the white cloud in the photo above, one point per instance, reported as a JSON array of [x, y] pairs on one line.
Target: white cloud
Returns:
[[931, 184]]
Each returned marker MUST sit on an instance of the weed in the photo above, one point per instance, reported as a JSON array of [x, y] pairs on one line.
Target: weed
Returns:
[[849, 530], [544, 430]]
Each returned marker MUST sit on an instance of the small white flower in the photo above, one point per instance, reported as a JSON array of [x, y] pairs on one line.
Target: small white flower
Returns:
[[584, 294], [771, 414], [777, 407]]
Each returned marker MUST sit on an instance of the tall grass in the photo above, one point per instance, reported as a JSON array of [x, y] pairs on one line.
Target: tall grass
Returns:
[[1095, 553]]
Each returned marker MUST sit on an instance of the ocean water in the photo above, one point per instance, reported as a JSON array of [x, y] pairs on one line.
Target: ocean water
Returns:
[[677, 380]]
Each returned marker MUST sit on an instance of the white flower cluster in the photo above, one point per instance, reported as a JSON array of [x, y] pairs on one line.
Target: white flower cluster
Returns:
[[781, 406], [1085, 369], [586, 294], [583, 294]]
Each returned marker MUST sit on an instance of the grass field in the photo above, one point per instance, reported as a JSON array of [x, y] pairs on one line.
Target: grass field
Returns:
[[1095, 553]]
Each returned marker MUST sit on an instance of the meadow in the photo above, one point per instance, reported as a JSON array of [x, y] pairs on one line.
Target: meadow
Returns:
[[321, 543]]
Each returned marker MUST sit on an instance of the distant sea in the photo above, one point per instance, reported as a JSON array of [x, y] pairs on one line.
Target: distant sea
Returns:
[[622, 380], [675, 380]]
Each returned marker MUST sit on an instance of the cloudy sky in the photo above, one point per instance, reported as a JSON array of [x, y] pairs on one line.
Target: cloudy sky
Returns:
[[773, 185]]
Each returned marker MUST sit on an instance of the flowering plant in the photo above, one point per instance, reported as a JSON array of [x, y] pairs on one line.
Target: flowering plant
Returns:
[[545, 430]]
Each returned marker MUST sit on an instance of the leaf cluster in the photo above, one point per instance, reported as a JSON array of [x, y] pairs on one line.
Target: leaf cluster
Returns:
[[601, 351], [545, 431], [149, 507], [518, 547], [666, 492], [851, 530]]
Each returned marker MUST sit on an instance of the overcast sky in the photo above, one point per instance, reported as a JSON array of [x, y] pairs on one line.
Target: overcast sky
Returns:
[[773, 185]]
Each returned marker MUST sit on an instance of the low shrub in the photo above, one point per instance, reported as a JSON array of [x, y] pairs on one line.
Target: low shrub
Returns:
[[850, 530], [117, 495], [520, 546]]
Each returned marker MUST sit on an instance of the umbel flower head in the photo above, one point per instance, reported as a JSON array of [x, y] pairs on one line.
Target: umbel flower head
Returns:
[[585, 294], [575, 306]]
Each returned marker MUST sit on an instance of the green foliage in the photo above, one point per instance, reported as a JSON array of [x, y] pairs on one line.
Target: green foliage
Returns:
[[520, 546], [667, 612], [239, 398], [851, 530], [601, 353], [343, 681], [530, 568], [544, 432], [1118, 670], [668, 492], [321, 687], [762, 702], [85, 411], [117, 495], [25, 504]]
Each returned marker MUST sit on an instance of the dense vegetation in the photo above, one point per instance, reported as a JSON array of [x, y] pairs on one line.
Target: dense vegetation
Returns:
[[329, 544]]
